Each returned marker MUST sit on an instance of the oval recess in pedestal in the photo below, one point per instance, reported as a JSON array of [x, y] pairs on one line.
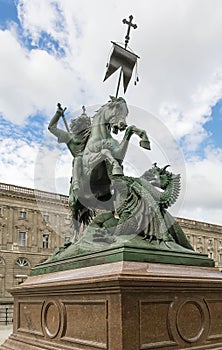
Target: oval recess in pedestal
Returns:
[[51, 319], [190, 321]]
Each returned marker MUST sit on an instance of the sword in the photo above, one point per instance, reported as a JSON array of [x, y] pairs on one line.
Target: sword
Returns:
[[63, 116]]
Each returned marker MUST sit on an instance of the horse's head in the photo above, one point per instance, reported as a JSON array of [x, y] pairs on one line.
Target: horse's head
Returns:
[[116, 114]]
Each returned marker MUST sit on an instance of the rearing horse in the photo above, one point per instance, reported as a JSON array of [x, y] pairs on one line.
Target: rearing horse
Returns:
[[97, 156]]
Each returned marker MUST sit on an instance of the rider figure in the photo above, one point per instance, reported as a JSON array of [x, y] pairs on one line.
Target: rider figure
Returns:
[[75, 140]]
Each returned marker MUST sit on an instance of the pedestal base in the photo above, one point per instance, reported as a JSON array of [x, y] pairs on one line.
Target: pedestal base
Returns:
[[119, 306]]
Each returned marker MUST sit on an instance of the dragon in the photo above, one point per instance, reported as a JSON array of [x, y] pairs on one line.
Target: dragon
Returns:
[[141, 209]]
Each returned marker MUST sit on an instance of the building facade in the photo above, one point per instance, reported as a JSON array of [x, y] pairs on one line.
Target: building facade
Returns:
[[205, 238], [34, 223]]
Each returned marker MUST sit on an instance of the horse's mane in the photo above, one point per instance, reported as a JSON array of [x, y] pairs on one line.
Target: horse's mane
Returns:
[[81, 126], [83, 122], [112, 103]]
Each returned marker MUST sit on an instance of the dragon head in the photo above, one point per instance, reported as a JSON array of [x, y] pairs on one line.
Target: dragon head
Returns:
[[158, 177], [166, 181]]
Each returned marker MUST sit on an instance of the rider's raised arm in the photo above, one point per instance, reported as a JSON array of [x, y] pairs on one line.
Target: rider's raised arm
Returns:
[[62, 135]]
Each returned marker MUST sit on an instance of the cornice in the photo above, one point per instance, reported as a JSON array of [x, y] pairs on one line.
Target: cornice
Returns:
[[199, 225]]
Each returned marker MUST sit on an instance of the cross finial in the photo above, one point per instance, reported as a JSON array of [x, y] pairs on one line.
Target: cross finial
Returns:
[[130, 24]]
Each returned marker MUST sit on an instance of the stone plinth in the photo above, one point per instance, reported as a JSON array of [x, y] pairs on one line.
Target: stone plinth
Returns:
[[119, 306]]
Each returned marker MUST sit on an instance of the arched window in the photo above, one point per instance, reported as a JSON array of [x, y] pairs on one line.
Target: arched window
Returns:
[[22, 262]]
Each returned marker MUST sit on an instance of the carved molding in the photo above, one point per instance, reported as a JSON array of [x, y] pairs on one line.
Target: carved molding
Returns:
[[53, 319], [189, 320], [45, 229], [57, 322], [22, 226]]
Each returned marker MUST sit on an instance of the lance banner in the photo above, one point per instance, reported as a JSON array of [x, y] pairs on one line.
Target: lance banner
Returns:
[[123, 58]]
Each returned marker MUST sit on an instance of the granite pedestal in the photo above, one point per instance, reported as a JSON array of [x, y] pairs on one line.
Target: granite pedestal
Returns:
[[123, 305]]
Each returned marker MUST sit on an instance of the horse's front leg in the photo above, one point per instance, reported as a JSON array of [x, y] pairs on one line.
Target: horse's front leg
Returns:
[[124, 143], [144, 142]]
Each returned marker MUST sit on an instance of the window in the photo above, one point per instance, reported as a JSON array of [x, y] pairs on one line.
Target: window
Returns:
[[46, 217], [22, 239], [211, 255], [22, 262], [20, 279], [220, 258], [210, 241], [22, 214], [45, 241]]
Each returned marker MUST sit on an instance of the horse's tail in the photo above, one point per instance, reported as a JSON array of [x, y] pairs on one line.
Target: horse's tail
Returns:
[[85, 215], [81, 216]]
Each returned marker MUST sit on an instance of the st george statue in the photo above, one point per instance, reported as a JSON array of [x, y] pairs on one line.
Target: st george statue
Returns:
[[105, 203]]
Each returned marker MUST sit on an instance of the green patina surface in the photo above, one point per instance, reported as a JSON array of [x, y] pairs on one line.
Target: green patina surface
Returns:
[[75, 257]]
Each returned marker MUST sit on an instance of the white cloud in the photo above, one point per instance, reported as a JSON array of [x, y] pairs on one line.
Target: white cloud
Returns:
[[33, 81], [203, 187], [40, 16], [32, 165], [52, 169], [17, 162], [190, 122]]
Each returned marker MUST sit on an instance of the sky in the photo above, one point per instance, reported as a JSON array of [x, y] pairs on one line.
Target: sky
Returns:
[[56, 51]]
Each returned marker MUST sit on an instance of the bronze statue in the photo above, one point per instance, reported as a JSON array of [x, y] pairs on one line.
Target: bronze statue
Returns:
[[103, 200], [97, 157]]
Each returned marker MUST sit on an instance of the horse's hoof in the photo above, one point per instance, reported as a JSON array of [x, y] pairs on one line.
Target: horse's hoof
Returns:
[[145, 144], [117, 170]]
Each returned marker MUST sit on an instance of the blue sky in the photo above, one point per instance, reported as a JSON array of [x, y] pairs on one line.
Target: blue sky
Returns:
[[56, 51], [8, 12], [214, 126]]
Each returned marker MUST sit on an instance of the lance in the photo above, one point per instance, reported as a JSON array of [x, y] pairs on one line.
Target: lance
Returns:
[[63, 116]]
